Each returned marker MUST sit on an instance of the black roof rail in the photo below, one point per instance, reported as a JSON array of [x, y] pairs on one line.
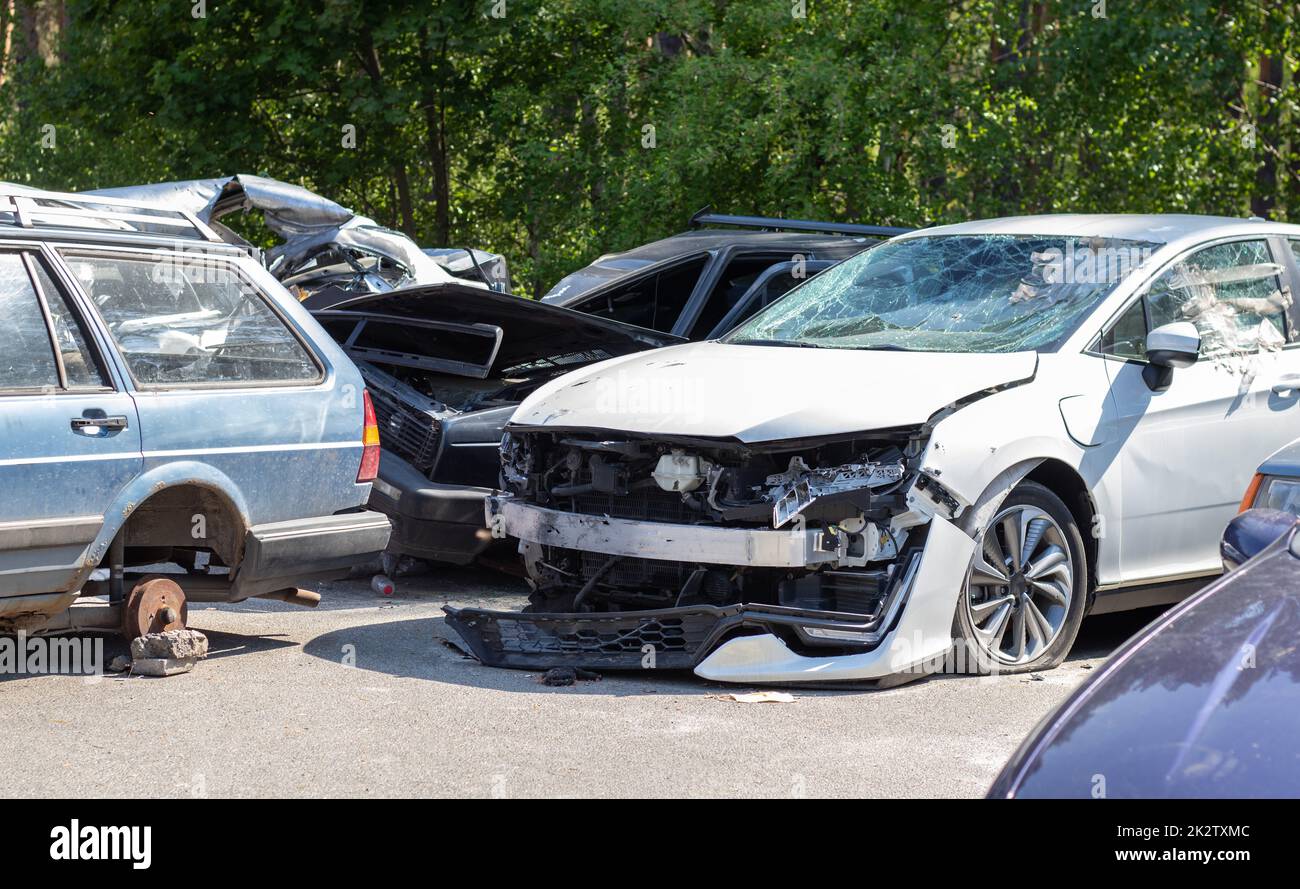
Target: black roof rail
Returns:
[[771, 223]]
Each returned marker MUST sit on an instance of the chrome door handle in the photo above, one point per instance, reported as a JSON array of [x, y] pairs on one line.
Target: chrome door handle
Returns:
[[95, 425]]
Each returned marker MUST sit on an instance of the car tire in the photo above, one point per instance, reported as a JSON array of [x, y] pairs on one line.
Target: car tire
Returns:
[[1010, 615]]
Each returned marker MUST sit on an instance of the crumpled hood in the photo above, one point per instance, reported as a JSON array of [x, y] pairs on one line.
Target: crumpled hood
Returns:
[[766, 393]]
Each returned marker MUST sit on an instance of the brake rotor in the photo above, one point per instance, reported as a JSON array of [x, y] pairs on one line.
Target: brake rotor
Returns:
[[155, 605]]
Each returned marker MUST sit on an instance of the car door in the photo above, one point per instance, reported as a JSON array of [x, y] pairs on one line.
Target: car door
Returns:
[[69, 434], [222, 380], [1189, 451]]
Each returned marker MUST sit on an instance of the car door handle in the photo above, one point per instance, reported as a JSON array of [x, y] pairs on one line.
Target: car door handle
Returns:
[[96, 425], [1290, 383]]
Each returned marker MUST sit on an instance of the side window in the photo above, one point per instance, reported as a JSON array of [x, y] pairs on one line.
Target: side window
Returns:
[[654, 301], [1127, 337], [735, 282], [1231, 292], [179, 321], [26, 356], [80, 366]]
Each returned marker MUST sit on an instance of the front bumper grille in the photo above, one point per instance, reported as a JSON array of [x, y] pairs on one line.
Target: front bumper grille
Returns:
[[679, 637]]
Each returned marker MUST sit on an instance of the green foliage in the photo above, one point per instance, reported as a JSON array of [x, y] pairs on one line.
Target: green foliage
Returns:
[[568, 128]]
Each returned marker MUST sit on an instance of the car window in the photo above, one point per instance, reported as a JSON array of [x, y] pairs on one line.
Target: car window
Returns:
[[654, 301], [181, 320], [1231, 292], [80, 365], [1127, 337], [952, 293], [734, 283], [26, 356]]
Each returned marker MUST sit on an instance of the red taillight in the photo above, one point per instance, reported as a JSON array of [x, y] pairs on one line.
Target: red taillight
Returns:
[[370, 443], [1251, 493]]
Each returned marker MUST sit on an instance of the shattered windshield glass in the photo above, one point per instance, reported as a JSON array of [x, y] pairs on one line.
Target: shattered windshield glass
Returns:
[[951, 293]]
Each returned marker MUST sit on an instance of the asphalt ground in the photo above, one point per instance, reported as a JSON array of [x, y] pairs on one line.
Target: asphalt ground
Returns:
[[363, 696]]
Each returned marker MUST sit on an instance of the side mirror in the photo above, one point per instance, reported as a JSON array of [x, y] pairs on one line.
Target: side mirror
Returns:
[[1250, 533], [1169, 346]]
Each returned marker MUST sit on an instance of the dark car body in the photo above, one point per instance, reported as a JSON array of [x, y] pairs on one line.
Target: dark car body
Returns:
[[1201, 703], [701, 283], [445, 366]]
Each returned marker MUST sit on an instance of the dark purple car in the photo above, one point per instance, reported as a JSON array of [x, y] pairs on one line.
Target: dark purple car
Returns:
[[1204, 702]]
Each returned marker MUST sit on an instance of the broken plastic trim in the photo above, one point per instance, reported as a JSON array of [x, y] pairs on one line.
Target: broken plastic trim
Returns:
[[800, 486], [666, 638]]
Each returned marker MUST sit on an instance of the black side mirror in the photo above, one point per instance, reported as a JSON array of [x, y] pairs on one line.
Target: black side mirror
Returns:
[[1169, 346], [1250, 533]]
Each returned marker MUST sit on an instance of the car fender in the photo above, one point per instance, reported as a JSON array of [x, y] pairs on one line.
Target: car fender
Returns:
[[146, 485], [981, 451]]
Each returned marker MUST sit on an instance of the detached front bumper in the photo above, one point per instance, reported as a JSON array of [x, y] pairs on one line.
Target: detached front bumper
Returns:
[[740, 643]]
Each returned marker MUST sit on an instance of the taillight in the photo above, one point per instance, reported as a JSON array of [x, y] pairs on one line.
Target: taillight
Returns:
[[370, 443], [1251, 493]]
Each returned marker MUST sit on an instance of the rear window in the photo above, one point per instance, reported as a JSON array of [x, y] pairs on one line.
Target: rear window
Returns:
[[181, 320]]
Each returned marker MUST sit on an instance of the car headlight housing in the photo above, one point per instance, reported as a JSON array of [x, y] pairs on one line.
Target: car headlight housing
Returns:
[[1275, 492]]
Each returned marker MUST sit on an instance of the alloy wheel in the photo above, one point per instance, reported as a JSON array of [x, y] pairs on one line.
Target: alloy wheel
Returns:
[[1021, 582]]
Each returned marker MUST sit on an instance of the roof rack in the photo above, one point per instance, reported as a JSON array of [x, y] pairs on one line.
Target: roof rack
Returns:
[[771, 223], [32, 208]]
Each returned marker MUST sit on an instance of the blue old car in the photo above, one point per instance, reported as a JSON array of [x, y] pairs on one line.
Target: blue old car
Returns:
[[163, 399]]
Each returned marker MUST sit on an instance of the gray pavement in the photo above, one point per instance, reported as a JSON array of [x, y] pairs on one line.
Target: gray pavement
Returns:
[[361, 697]]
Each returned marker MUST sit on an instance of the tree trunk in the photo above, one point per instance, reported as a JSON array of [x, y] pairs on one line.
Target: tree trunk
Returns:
[[1268, 138], [369, 56], [435, 123]]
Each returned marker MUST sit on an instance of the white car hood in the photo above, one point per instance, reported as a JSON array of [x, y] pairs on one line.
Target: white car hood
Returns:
[[766, 393]]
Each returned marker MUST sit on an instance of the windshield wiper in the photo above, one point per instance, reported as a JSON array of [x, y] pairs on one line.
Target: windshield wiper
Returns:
[[794, 344], [885, 348]]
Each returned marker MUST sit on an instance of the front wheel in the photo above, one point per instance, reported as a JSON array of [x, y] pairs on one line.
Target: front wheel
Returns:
[[1024, 596]]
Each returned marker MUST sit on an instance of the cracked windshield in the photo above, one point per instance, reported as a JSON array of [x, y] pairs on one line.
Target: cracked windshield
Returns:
[[953, 293]]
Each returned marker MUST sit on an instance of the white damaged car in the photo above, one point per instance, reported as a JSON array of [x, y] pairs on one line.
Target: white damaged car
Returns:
[[971, 434]]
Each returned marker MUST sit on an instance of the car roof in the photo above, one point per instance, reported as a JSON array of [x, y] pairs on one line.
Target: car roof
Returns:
[[26, 211], [699, 240], [614, 266], [1158, 228]]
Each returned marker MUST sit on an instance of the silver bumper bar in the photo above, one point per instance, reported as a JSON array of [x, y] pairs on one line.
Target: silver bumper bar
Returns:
[[507, 517]]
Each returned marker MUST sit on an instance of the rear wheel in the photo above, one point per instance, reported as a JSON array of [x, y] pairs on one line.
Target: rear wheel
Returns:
[[1024, 596]]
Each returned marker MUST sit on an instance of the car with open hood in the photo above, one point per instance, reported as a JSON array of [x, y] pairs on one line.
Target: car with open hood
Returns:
[[446, 365], [970, 434]]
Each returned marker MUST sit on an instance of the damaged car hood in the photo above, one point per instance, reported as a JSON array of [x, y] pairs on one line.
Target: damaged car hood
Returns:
[[529, 331], [765, 393]]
